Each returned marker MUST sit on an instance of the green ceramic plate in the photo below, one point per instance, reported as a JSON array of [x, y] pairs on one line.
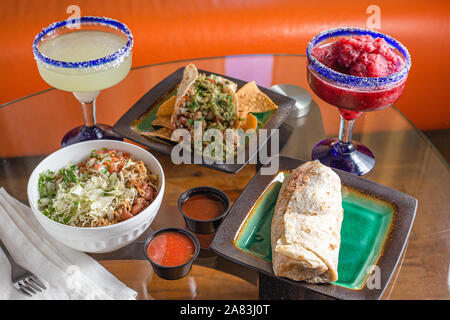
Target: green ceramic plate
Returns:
[[376, 226], [364, 230]]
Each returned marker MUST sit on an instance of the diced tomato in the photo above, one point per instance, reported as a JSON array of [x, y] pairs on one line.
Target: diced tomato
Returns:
[[111, 166], [125, 216], [97, 166]]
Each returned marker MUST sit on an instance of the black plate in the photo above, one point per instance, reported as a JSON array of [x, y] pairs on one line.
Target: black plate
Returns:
[[227, 238], [124, 126]]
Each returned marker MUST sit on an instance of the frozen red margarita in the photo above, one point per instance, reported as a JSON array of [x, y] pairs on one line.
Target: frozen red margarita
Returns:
[[359, 56]]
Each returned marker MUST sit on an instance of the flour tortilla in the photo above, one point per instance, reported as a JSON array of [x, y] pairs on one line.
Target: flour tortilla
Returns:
[[190, 73], [306, 225]]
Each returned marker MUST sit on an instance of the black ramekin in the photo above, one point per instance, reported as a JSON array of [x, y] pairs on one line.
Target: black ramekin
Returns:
[[175, 272], [204, 226]]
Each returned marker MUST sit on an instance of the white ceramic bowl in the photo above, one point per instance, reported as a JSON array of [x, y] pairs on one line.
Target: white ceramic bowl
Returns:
[[98, 239]]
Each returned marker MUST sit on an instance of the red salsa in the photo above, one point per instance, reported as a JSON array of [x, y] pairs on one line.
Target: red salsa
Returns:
[[171, 249], [203, 207]]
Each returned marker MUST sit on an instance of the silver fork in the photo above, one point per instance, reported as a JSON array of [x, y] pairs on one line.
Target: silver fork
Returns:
[[23, 280]]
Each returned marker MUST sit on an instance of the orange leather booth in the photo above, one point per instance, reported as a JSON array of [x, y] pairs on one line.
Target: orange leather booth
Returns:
[[178, 29]]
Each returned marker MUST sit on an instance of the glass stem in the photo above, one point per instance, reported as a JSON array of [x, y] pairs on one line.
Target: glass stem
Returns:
[[87, 100], [346, 130], [88, 109]]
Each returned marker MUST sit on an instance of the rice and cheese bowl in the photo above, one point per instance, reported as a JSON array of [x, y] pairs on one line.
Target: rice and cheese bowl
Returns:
[[107, 188]]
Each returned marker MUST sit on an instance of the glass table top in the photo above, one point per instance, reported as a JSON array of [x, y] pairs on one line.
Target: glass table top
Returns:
[[32, 127]]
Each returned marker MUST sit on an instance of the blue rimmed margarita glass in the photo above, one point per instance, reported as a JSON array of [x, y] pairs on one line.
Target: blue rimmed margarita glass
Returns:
[[83, 56], [352, 95]]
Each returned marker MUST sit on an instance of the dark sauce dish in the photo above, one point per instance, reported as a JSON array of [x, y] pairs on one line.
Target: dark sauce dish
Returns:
[[212, 199], [173, 272]]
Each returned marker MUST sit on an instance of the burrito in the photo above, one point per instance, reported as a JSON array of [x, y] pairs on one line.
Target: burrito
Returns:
[[210, 99], [306, 225]]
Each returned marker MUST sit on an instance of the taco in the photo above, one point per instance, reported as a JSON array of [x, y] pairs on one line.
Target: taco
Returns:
[[210, 99]]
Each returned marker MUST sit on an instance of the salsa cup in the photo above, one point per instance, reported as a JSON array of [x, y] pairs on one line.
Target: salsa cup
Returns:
[[172, 272], [204, 226]]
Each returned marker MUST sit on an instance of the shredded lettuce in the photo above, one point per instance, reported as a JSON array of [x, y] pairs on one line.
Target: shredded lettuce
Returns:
[[74, 198]]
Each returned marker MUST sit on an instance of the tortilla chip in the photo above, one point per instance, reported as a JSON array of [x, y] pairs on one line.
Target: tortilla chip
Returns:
[[166, 108], [252, 99], [164, 133], [162, 122], [246, 121], [164, 113], [250, 122]]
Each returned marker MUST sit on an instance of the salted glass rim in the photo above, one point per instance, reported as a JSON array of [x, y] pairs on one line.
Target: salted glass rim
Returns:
[[121, 52], [347, 79]]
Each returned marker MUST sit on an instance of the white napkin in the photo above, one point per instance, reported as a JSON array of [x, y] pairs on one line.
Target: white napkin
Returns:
[[67, 273]]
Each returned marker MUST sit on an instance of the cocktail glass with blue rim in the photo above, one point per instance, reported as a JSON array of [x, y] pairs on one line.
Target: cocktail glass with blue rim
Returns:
[[352, 95], [83, 56]]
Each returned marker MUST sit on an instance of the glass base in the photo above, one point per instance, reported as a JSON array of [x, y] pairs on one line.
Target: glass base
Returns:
[[354, 158], [83, 133]]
